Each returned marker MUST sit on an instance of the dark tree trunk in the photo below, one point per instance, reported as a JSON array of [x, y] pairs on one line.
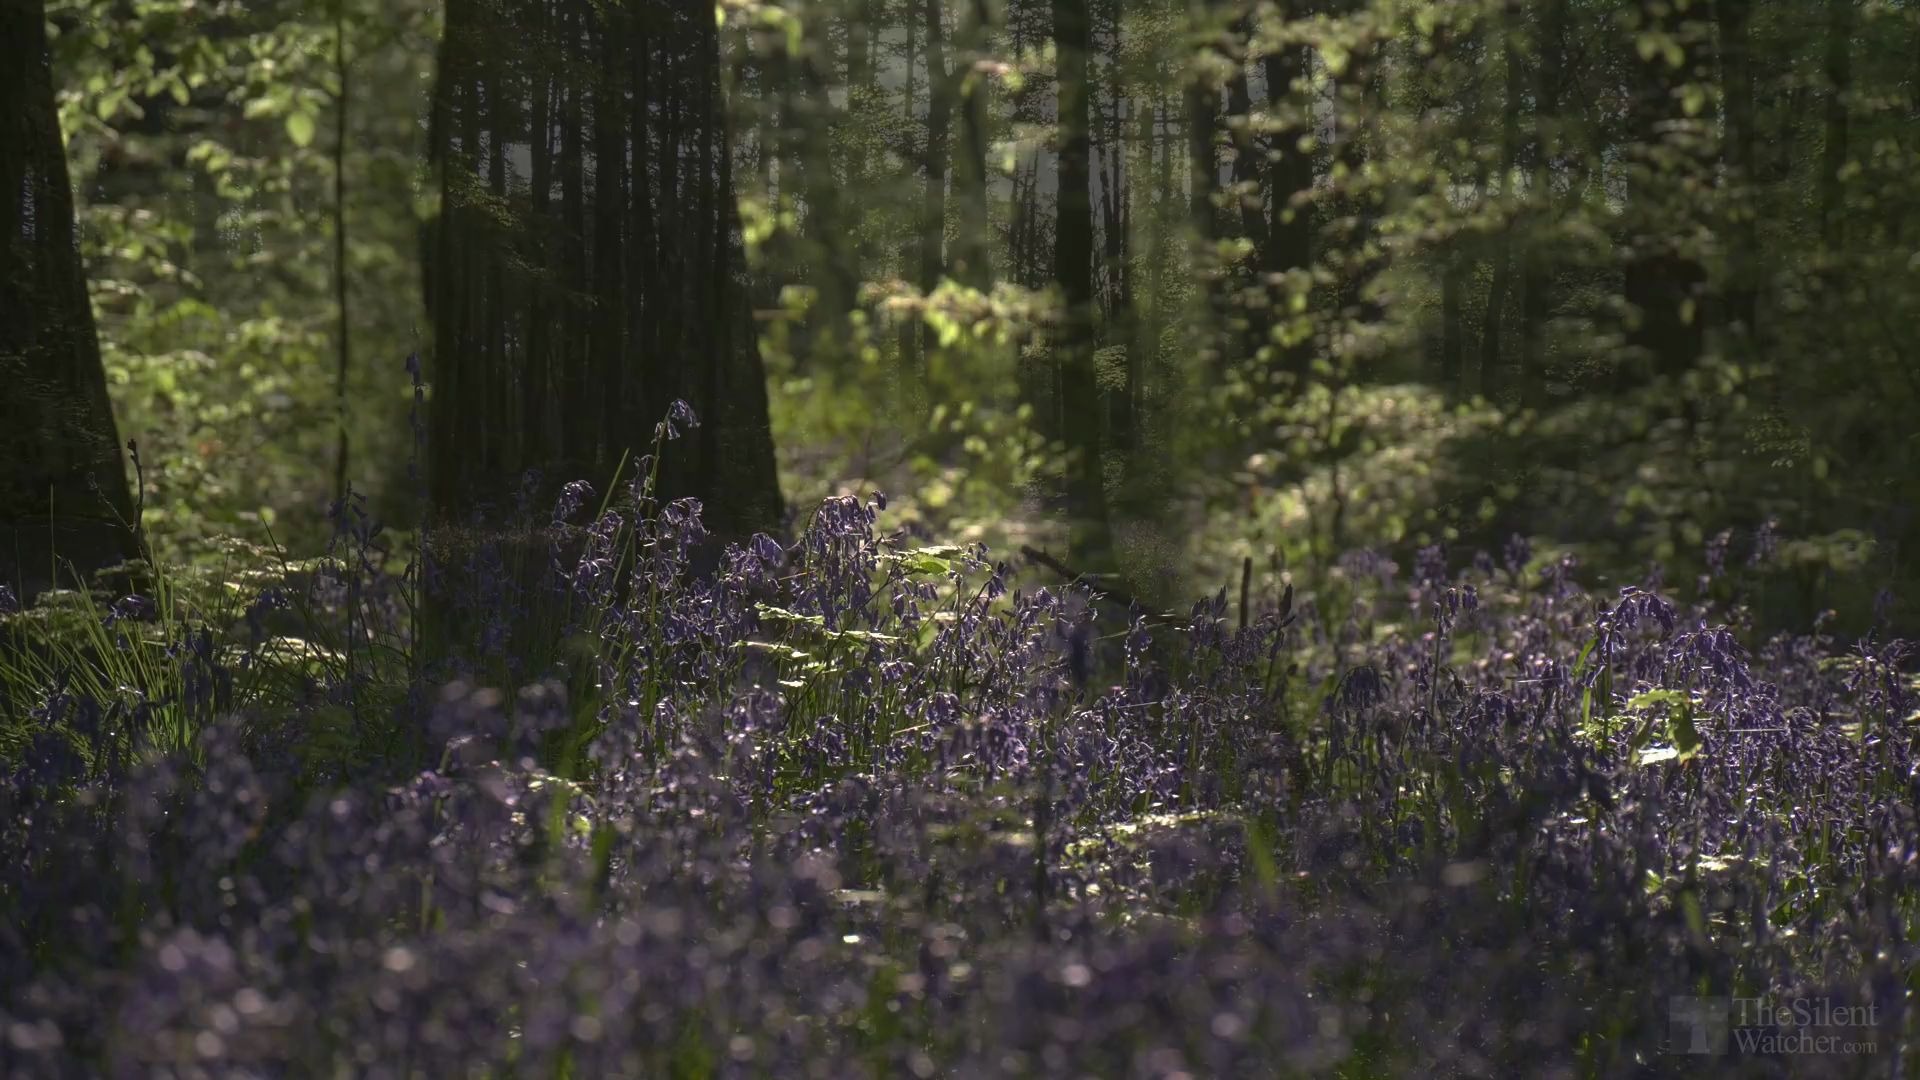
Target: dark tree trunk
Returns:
[[1359, 90], [1494, 325], [972, 247], [1246, 150], [1453, 342], [534, 385], [1203, 122], [1084, 489], [1662, 281], [63, 488], [833, 258], [610, 217], [1289, 231], [933, 208], [1201, 101], [910, 369], [862, 15], [1737, 155], [1537, 290], [644, 162], [1839, 73], [1290, 171]]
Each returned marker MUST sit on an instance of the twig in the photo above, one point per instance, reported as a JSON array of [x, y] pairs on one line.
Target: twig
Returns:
[[1116, 595], [1246, 579]]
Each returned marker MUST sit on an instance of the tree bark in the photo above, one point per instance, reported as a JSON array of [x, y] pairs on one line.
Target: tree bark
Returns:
[[1737, 155], [1289, 231], [1537, 289], [631, 330], [1203, 121], [63, 491], [1084, 489], [973, 247], [933, 205], [1453, 339], [1839, 73], [1494, 325], [1246, 149], [1662, 282]]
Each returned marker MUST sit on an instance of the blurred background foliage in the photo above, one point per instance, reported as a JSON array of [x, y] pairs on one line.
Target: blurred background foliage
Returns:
[[203, 142], [1303, 275]]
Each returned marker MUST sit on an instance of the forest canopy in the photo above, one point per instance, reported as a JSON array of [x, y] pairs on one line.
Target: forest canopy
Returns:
[[1184, 281]]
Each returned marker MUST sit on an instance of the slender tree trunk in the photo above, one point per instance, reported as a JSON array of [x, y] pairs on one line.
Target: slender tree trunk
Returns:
[[1072, 269], [610, 127], [492, 390], [1495, 323], [1201, 100], [1537, 290], [1290, 168], [933, 207], [1164, 193], [1289, 231], [646, 303], [1453, 341], [829, 228], [973, 247], [575, 448], [1359, 89], [1839, 73], [1130, 428], [342, 347], [1737, 156], [535, 385], [1247, 151], [910, 373], [861, 22], [1203, 122], [1662, 282]]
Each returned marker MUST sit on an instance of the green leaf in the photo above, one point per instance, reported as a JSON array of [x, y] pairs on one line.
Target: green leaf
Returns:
[[1681, 731], [300, 128], [1655, 754]]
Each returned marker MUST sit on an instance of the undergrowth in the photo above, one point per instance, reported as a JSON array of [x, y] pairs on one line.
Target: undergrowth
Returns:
[[585, 801]]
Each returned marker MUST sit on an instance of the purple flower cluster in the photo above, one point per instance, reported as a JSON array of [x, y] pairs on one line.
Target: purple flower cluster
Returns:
[[853, 806]]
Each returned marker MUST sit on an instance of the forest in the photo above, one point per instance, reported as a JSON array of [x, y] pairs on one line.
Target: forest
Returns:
[[1137, 538]]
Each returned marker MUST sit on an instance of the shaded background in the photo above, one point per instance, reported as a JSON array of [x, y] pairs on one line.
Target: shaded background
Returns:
[[1156, 287]]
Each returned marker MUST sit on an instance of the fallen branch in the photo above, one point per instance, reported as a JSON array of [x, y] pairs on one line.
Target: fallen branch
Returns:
[[1116, 595]]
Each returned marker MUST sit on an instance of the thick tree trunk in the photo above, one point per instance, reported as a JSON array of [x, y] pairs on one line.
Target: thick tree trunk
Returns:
[[644, 159], [64, 498]]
